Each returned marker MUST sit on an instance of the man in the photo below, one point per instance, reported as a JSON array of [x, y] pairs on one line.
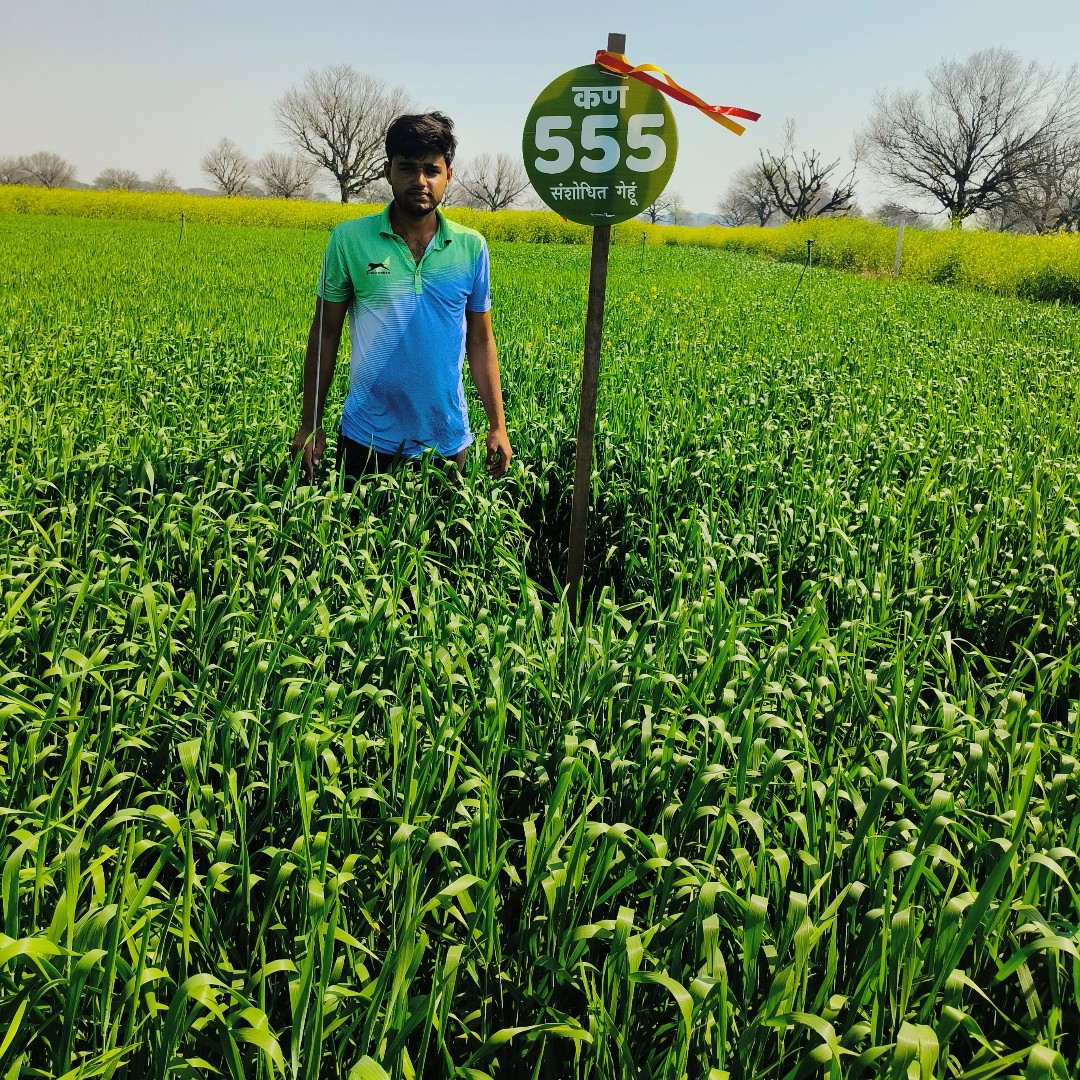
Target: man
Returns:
[[416, 289]]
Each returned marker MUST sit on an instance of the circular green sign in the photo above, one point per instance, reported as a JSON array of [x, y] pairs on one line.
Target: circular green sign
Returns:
[[599, 148]]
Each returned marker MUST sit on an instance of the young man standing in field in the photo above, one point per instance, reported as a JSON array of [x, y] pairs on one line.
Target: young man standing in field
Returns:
[[416, 289]]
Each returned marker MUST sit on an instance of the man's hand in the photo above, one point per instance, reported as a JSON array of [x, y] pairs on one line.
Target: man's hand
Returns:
[[310, 450], [498, 452], [484, 368]]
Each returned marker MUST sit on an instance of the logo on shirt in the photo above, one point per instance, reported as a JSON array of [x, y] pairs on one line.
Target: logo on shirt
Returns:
[[379, 268]]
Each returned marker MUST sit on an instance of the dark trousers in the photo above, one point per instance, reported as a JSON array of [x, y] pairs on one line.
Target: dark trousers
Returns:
[[355, 460]]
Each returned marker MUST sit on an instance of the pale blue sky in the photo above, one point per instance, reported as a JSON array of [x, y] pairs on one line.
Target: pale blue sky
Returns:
[[151, 86]]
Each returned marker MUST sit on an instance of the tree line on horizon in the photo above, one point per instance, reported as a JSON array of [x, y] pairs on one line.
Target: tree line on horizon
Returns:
[[991, 138]]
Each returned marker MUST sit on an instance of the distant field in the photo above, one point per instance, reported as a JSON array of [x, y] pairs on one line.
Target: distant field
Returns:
[[1029, 267], [293, 782]]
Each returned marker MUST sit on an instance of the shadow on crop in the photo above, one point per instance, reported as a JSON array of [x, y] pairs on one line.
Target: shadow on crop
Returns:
[[546, 512]]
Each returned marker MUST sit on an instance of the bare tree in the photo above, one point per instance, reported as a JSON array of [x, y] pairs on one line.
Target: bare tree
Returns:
[[491, 183], [748, 199], [378, 191], [48, 169], [677, 212], [13, 170], [1046, 196], [892, 213], [228, 167], [338, 120], [285, 176], [801, 185], [657, 212], [530, 200], [163, 180], [1067, 201], [1070, 217], [985, 123], [113, 179]]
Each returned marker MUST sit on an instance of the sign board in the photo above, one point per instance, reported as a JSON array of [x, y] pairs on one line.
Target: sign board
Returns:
[[599, 148]]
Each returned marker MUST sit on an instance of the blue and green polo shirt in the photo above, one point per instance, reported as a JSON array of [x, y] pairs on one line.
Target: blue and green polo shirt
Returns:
[[407, 326]]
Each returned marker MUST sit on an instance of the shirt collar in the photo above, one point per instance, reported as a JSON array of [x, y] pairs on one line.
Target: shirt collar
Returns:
[[442, 233]]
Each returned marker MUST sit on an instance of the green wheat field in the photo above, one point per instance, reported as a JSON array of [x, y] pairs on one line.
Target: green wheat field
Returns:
[[299, 783]]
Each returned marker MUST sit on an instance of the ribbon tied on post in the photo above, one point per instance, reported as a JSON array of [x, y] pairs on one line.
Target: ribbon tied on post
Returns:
[[722, 114]]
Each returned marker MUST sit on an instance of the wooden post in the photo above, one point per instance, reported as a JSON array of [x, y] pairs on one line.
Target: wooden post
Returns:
[[590, 381], [899, 249]]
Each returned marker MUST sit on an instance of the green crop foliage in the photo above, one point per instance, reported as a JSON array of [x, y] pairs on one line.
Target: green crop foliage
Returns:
[[1029, 267], [294, 782]]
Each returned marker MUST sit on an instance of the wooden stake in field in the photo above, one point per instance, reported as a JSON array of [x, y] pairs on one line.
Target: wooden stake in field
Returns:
[[599, 146], [590, 383]]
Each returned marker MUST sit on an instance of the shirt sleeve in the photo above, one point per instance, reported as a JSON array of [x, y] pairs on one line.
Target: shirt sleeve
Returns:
[[335, 282], [480, 296]]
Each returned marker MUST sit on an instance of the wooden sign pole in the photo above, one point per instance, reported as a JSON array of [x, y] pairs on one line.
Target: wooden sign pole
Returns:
[[590, 381]]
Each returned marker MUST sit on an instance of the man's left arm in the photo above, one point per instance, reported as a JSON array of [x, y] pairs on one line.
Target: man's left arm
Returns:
[[484, 369]]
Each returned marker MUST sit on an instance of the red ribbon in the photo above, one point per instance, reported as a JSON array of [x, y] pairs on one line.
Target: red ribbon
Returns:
[[618, 63]]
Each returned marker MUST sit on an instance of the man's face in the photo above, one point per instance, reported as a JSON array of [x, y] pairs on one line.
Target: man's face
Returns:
[[418, 183]]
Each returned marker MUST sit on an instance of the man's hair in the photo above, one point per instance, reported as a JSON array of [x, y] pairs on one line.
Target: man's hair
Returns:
[[421, 134]]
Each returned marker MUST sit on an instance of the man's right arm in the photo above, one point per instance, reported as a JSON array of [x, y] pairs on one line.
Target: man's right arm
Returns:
[[319, 367]]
